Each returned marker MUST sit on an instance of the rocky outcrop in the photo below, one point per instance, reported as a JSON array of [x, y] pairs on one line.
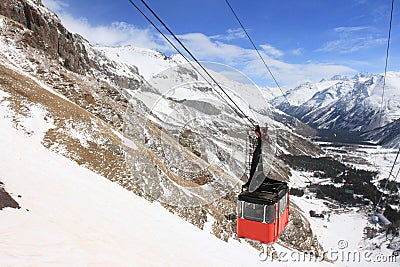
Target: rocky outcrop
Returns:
[[6, 201], [48, 34], [45, 32]]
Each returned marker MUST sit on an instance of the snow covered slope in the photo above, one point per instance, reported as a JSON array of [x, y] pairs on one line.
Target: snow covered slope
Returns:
[[70, 216], [149, 62], [387, 135]]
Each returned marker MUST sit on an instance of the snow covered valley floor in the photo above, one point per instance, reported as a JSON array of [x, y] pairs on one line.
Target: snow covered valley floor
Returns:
[[346, 236]]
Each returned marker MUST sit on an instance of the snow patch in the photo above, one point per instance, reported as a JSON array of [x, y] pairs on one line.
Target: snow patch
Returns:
[[2, 23], [3, 95]]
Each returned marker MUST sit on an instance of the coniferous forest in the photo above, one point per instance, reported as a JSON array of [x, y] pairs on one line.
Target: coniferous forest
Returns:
[[349, 185]]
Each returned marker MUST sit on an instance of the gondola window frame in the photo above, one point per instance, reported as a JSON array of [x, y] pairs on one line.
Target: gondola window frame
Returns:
[[253, 211], [269, 214]]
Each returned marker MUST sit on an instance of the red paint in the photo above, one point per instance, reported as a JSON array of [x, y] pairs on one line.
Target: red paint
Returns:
[[263, 232]]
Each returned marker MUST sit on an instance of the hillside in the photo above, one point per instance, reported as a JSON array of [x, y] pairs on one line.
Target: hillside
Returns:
[[94, 102], [64, 207], [72, 216]]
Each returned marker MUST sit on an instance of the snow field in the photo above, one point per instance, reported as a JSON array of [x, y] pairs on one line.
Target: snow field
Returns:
[[70, 216]]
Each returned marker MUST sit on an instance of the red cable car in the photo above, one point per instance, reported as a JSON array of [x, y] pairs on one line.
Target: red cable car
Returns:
[[263, 204]]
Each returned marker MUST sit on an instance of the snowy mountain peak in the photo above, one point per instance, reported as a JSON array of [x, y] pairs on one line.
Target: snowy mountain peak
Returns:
[[339, 78], [346, 104], [363, 75], [149, 62]]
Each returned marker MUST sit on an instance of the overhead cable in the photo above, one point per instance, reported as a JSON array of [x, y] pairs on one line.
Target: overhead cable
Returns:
[[258, 52], [387, 181], [236, 108], [386, 64]]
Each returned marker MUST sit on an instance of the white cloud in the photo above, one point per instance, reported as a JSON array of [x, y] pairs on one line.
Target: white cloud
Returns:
[[288, 74], [55, 5], [350, 29], [361, 2], [352, 39], [297, 52], [231, 34], [271, 51], [117, 33], [351, 44], [248, 61], [205, 48]]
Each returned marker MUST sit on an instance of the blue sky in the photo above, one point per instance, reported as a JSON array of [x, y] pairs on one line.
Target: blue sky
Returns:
[[299, 40]]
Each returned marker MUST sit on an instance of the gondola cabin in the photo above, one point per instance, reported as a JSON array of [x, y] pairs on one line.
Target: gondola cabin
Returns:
[[263, 204], [264, 213]]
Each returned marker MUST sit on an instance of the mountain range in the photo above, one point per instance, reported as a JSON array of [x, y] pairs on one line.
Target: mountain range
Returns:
[[364, 106]]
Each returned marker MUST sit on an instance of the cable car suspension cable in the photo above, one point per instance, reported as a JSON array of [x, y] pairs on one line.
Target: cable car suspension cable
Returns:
[[236, 108], [384, 76], [387, 181], [177, 49], [382, 99], [386, 64], [258, 52], [270, 72]]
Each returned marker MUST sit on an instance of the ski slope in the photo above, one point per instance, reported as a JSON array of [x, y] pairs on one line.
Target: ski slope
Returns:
[[70, 216]]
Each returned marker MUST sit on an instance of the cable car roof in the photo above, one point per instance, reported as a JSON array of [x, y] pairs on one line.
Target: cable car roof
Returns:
[[269, 192]]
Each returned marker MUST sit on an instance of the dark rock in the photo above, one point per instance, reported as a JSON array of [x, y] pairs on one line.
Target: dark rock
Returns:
[[48, 34], [6, 201]]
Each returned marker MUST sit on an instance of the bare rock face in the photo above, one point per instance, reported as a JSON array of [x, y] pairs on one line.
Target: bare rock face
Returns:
[[45, 32], [6, 201]]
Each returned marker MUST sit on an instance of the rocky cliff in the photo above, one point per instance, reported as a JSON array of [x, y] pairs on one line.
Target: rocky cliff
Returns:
[[45, 32]]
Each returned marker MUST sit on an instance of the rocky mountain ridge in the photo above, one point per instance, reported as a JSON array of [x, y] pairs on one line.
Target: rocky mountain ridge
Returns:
[[46, 33], [345, 104]]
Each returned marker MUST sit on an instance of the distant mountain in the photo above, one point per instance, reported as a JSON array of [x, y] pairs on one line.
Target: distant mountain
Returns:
[[174, 81], [346, 104], [387, 135]]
